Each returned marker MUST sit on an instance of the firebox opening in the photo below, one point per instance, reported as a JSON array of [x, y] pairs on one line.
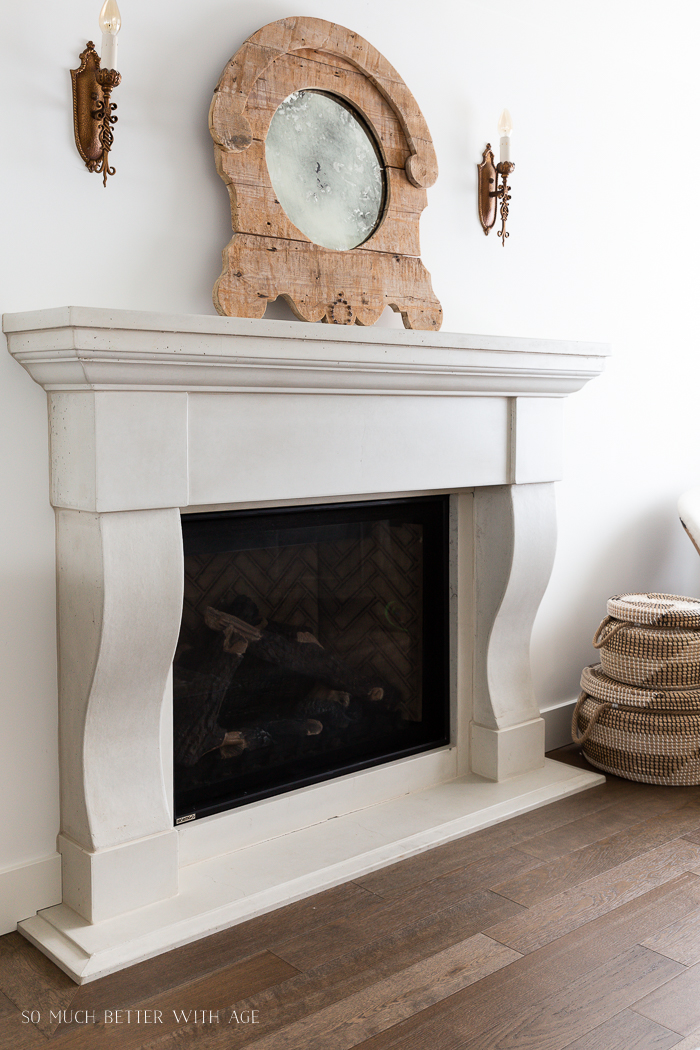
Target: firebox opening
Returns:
[[314, 643]]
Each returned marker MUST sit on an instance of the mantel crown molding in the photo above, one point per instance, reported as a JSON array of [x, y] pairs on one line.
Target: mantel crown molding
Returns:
[[79, 348]]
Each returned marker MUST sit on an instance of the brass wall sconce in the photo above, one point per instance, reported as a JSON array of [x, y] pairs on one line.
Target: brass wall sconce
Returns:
[[490, 190], [93, 83]]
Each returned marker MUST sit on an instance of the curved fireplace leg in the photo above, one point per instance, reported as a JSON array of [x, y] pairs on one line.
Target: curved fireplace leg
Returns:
[[120, 602], [515, 542]]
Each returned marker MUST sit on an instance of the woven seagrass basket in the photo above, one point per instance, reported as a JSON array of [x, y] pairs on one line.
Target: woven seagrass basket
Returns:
[[647, 735], [655, 610], [649, 656]]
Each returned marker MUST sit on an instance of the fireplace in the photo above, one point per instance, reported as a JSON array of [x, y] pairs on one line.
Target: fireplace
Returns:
[[159, 419], [313, 644]]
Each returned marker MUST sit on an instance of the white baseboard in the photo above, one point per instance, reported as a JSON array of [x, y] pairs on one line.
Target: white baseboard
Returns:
[[27, 889], [557, 723]]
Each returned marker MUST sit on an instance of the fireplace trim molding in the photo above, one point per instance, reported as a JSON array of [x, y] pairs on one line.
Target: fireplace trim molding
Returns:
[[152, 415]]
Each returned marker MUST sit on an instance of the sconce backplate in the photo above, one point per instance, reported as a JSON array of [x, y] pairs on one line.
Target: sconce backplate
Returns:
[[85, 87], [488, 179]]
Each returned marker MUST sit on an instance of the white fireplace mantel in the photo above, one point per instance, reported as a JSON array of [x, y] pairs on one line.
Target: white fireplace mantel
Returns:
[[156, 415]]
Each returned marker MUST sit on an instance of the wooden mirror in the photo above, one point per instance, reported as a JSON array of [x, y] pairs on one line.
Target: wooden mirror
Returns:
[[327, 159]]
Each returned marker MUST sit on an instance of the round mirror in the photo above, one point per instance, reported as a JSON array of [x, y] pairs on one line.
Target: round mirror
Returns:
[[325, 169]]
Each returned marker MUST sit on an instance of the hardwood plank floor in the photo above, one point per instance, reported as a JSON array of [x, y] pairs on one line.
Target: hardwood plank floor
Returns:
[[383, 1004], [556, 916], [679, 941], [13, 1036], [571, 1012], [168, 1011], [587, 830], [677, 1004], [573, 927], [581, 864], [523, 984], [396, 879], [32, 982], [336, 938], [626, 1031], [329, 983]]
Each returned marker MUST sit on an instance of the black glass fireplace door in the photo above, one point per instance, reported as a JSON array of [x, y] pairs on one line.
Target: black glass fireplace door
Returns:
[[314, 642]]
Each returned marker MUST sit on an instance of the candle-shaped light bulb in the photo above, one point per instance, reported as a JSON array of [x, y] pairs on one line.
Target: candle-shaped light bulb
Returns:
[[505, 123], [505, 126], [110, 24]]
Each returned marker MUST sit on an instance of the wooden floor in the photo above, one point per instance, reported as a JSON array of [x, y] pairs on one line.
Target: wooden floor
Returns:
[[576, 925]]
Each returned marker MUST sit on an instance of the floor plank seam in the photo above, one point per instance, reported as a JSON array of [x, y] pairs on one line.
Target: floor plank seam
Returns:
[[291, 976], [503, 896], [680, 1035], [372, 893]]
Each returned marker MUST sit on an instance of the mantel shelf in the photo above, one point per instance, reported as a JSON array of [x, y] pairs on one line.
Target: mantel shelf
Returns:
[[74, 348]]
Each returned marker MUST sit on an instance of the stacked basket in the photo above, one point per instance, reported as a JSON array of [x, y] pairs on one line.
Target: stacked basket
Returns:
[[638, 715]]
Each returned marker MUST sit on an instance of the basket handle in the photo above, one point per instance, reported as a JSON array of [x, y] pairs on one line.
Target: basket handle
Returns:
[[594, 718], [602, 635]]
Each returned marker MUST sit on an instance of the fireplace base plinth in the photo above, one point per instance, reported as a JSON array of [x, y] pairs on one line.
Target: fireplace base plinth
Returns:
[[227, 890], [99, 885], [499, 754]]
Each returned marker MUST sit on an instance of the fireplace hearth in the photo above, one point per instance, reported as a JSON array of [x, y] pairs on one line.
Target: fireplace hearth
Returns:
[[159, 419]]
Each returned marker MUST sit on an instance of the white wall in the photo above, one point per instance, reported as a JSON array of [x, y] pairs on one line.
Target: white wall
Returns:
[[604, 232]]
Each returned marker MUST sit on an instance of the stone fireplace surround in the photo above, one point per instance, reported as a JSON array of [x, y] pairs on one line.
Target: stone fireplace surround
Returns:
[[154, 415]]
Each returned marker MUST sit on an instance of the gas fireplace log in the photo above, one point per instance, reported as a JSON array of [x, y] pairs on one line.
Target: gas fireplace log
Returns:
[[231, 626], [198, 714], [196, 728], [293, 653], [264, 734]]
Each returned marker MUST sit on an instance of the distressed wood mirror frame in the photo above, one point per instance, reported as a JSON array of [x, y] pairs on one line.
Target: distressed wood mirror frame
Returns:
[[268, 256]]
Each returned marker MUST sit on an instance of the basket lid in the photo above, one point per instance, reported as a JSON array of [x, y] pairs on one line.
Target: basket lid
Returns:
[[658, 610], [596, 683]]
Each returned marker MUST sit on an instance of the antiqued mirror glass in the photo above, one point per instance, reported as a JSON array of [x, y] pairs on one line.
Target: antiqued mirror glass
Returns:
[[325, 169]]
